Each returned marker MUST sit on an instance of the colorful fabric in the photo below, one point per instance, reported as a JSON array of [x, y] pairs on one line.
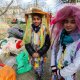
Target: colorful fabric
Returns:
[[7, 73], [23, 64], [38, 39], [12, 45], [60, 61], [66, 58], [38, 65], [27, 35], [65, 38]]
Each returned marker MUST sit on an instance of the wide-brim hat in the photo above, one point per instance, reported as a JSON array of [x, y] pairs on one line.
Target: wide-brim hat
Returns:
[[35, 10]]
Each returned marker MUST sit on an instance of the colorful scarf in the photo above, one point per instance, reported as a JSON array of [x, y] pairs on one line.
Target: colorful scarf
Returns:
[[38, 37], [66, 39]]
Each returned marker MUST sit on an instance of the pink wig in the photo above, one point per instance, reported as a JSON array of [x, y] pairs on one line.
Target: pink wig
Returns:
[[66, 12], [62, 14]]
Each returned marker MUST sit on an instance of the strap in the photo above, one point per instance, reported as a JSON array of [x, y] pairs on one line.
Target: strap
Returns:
[[78, 47]]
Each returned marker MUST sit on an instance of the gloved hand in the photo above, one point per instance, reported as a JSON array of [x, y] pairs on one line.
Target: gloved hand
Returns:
[[59, 75], [54, 69], [56, 72]]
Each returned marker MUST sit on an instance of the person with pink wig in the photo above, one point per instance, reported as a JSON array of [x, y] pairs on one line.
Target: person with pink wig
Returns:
[[65, 59]]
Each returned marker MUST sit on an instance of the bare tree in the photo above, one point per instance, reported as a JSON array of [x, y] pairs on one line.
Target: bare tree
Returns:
[[3, 12]]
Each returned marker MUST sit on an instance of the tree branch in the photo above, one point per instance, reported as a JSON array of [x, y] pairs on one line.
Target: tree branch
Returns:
[[2, 13]]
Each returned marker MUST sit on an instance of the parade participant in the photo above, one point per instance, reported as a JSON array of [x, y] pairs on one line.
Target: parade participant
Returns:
[[37, 40], [65, 60]]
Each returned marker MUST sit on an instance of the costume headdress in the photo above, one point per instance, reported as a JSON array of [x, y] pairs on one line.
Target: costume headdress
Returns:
[[28, 17]]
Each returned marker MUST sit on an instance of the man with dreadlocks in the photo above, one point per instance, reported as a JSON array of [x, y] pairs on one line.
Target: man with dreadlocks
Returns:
[[65, 59], [37, 39]]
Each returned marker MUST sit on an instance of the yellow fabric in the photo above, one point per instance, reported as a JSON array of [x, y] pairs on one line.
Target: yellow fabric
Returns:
[[45, 21], [36, 63], [42, 38], [60, 64], [27, 35], [7, 73], [40, 35]]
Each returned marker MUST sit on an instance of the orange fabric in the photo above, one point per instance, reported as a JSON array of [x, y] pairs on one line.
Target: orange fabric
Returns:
[[7, 73]]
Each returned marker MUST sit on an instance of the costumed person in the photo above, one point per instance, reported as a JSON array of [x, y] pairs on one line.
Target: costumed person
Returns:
[[65, 58], [36, 39]]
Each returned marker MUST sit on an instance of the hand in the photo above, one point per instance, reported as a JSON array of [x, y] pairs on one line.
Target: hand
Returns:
[[35, 55], [59, 75], [54, 69], [56, 72]]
